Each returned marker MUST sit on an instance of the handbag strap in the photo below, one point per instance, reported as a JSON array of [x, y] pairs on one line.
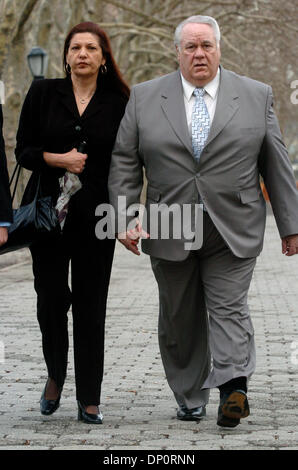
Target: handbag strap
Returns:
[[17, 171]]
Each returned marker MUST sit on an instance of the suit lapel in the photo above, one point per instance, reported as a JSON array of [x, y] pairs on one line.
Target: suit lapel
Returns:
[[172, 103], [64, 88], [97, 101], [226, 107]]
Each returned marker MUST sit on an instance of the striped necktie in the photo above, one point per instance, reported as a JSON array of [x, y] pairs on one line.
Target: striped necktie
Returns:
[[200, 123]]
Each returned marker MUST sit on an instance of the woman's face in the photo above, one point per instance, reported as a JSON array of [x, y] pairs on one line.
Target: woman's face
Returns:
[[85, 55]]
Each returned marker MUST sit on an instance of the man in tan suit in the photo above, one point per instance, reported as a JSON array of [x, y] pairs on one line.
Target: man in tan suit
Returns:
[[205, 135]]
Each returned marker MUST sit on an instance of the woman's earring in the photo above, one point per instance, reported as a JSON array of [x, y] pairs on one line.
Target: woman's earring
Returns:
[[103, 69], [68, 68]]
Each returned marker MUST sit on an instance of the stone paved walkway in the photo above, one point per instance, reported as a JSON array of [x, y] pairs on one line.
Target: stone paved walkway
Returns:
[[138, 406]]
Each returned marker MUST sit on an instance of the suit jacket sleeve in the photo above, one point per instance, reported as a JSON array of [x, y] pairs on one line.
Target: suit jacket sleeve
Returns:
[[126, 170], [29, 151], [5, 197], [277, 172]]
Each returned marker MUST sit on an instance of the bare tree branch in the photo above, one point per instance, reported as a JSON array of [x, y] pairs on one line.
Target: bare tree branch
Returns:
[[25, 15], [152, 19], [230, 45], [151, 66], [135, 29], [151, 51], [160, 7]]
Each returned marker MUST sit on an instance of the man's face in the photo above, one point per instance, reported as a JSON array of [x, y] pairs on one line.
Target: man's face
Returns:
[[198, 54]]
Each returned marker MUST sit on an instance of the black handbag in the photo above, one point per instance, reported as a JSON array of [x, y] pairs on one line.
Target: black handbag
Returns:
[[30, 220]]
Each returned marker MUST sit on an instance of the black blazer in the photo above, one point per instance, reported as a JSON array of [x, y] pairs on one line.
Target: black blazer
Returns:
[[50, 122], [5, 198]]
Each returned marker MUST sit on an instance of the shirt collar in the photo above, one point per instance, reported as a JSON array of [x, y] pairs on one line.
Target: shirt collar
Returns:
[[211, 88]]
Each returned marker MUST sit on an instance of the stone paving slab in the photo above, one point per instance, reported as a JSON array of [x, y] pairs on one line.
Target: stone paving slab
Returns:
[[138, 406]]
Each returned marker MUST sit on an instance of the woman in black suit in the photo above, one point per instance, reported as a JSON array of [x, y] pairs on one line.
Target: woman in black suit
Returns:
[[57, 115], [5, 198]]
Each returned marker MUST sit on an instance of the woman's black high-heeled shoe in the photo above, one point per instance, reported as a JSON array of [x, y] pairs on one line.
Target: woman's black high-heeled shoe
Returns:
[[88, 417], [48, 407]]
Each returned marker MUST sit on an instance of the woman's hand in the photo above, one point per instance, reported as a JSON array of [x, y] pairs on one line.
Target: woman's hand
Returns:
[[3, 235], [72, 161], [75, 161]]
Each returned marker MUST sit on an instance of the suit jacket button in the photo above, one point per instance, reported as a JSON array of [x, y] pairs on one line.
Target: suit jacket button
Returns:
[[78, 128]]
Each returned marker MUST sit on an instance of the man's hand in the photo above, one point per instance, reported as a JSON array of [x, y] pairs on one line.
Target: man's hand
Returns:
[[3, 235], [290, 245], [131, 238]]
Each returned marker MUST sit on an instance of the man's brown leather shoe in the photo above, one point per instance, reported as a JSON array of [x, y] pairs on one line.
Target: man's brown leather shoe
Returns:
[[233, 406]]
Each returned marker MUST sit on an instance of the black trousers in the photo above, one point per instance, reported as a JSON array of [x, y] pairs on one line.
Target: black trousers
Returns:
[[91, 262]]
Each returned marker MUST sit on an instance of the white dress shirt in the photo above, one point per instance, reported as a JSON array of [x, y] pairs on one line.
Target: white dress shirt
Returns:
[[210, 97]]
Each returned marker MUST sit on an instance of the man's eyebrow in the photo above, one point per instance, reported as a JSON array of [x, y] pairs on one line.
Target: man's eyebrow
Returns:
[[192, 42]]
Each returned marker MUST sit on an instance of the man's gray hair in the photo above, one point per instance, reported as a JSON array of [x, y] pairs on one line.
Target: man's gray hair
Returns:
[[197, 19]]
